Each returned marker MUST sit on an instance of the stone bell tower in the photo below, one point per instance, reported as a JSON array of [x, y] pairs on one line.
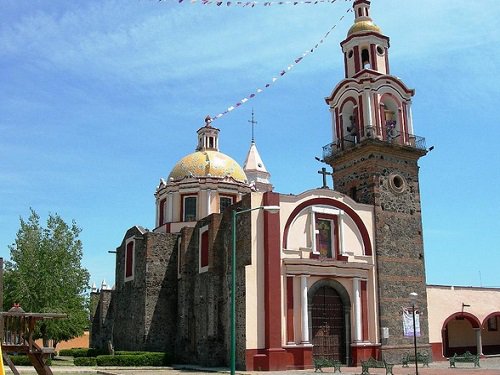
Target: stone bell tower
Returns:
[[374, 155]]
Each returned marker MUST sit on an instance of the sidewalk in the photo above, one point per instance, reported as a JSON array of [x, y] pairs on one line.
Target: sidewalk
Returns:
[[489, 366]]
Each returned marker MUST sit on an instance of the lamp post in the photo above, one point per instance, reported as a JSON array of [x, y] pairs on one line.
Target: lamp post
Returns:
[[413, 298], [271, 209]]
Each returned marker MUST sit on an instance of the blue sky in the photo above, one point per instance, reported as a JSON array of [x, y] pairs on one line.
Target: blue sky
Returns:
[[99, 99]]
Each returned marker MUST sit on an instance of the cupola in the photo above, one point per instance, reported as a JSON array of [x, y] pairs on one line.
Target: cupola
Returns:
[[201, 183], [365, 48]]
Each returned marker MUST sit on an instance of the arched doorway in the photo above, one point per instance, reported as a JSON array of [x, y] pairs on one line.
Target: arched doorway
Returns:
[[329, 310], [490, 332], [460, 333]]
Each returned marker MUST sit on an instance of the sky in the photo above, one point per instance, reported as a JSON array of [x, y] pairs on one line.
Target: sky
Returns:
[[100, 99]]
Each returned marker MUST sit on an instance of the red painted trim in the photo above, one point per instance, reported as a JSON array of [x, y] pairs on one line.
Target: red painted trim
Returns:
[[361, 122], [167, 228], [362, 353], [299, 358], [364, 310], [129, 259], [346, 68], [485, 320], [357, 59], [290, 336], [378, 76], [387, 61], [337, 124], [376, 110], [437, 351], [162, 212], [401, 127], [373, 56], [404, 123], [473, 320], [272, 273], [352, 36], [334, 203]]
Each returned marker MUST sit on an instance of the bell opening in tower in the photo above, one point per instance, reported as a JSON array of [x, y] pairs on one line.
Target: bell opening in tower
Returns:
[[365, 58]]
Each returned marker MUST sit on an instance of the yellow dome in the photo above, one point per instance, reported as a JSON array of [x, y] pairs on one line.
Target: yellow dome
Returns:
[[362, 26], [207, 163]]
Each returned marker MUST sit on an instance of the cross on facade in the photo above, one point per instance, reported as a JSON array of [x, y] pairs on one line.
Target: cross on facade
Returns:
[[253, 122], [325, 173]]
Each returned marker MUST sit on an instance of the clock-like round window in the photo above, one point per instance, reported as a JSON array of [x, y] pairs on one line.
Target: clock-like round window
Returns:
[[397, 183]]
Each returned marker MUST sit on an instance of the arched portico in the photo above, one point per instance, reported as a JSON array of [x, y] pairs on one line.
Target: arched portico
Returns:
[[461, 332], [490, 332]]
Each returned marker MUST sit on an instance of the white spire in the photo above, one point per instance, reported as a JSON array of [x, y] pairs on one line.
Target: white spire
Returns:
[[256, 171]]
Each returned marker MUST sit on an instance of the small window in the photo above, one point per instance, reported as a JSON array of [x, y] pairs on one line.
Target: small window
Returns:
[[129, 260], [380, 50], [190, 208], [225, 202], [351, 52]]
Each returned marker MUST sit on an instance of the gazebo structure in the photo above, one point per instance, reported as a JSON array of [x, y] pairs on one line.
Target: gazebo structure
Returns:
[[18, 328]]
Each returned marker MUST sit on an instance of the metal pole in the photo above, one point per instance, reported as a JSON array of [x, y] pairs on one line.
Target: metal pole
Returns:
[[233, 297], [415, 339]]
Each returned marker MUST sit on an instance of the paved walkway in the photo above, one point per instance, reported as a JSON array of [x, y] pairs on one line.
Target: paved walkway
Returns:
[[489, 366]]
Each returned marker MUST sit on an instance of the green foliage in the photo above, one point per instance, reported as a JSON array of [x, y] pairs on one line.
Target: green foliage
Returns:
[[23, 360], [81, 352], [85, 361], [147, 359], [45, 274]]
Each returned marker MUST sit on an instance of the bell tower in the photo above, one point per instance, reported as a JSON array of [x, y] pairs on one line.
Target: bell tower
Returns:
[[374, 154]]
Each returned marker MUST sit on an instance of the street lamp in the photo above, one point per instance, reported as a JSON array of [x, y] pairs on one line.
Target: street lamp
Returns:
[[413, 298], [270, 209]]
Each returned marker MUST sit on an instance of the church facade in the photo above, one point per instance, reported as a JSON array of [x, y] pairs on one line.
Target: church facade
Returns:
[[329, 276]]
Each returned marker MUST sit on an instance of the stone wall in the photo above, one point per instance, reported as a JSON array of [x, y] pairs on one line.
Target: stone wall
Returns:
[[101, 319], [145, 307], [203, 329]]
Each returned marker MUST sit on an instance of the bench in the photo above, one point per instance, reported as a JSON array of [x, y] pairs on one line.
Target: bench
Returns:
[[319, 363], [410, 358], [466, 357], [373, 363]]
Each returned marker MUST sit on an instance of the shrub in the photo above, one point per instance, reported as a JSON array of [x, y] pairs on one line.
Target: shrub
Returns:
[[127, 360], [85, 361], [81, 352], [23, 360]]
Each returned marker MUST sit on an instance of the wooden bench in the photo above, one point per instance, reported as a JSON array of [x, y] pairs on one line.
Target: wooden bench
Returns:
[[373, 363], [319, 363], [423, 358], [466, 357]]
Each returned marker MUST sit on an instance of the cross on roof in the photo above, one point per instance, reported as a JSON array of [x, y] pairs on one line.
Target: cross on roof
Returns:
[[325, 173], [253, 122]]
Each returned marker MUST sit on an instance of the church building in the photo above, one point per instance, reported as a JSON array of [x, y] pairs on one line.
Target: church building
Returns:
[[328, 276]]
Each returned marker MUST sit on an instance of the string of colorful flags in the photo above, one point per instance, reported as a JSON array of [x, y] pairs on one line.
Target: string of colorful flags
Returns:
[[254, 3], [278, 76]]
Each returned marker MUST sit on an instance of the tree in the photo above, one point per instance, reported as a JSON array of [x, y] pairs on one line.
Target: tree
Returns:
[[45, 274]]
